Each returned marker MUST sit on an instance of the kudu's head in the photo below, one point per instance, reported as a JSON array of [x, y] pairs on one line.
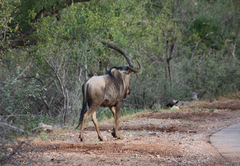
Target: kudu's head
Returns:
[[125, 73]]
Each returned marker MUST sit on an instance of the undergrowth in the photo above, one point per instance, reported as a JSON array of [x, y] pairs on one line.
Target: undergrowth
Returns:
[[230, 96]]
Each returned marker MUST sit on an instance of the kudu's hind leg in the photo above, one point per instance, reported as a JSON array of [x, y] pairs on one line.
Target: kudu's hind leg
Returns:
[[94, 119], [85, 117], [113, 112], [115, 129]]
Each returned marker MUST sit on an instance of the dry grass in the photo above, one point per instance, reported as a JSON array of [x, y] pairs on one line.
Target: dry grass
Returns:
[[230, 96], [133, 116], [121, 118]]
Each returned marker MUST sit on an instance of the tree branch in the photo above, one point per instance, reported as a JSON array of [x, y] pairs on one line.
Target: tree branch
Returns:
[[13, 128], [21, 38], [55, 10]]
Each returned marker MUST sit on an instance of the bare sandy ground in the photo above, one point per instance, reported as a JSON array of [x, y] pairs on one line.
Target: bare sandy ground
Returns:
[[156, 138]]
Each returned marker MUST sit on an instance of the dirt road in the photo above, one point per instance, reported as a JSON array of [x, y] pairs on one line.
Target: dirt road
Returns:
[[156, 138], [227, 142]]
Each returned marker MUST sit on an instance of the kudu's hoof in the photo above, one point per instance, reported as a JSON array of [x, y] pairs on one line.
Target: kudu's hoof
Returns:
[[115, 136], [81, 139], [101, 139]]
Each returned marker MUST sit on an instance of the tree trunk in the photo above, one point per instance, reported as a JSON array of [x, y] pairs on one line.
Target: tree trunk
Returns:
[[63, 89], [169, 72], [234, 46], [86, 67]]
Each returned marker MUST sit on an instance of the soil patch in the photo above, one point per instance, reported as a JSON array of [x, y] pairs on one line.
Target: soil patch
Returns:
[[156, 138]]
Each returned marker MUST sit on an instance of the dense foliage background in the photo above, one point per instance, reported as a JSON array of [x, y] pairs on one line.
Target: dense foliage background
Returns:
[[49, 48]]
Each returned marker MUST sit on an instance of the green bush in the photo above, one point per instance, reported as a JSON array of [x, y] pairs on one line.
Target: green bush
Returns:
[[17, 94]]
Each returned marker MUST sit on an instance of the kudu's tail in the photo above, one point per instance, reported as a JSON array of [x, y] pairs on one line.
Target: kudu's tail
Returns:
[[84, 104]]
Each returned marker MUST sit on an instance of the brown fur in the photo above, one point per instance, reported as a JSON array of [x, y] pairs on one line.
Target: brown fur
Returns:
[[106, 91]]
